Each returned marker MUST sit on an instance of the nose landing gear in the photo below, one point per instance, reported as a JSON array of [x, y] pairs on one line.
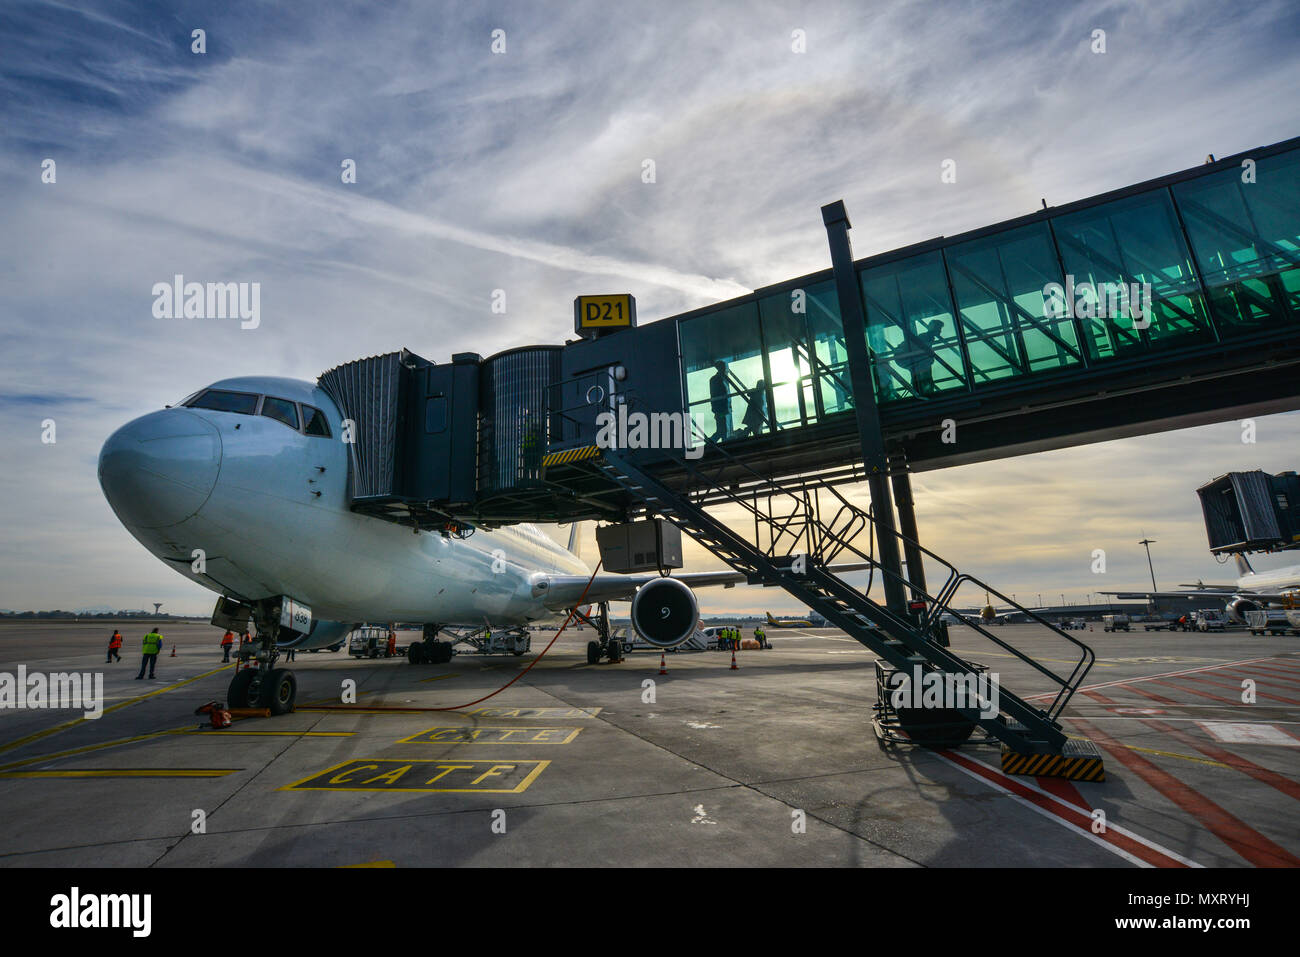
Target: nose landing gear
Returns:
[[258, 683]]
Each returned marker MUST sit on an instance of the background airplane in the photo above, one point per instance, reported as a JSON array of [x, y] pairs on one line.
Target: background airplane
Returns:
[[1252, 590]]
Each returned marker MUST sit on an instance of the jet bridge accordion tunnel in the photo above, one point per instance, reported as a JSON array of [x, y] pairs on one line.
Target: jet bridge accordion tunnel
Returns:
[[452, 445], [1252, 512]]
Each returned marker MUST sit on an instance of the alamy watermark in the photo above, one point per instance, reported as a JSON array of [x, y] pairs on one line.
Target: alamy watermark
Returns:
[[1102, 300], [179, 299], [655, 430], [932, 689], [57, 691]]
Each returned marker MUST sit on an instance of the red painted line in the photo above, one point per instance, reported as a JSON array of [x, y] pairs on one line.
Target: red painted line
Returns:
[[1077, 818], [1284, 666], [1153, 696], [1163, 674], [1203, 694], [1271, 778], [1241, 837], [1287, 683], [1066, 791], [1238, 688]]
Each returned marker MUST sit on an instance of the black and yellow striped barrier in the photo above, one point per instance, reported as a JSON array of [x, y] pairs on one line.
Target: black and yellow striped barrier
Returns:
[[1078, 761], [566, 456]]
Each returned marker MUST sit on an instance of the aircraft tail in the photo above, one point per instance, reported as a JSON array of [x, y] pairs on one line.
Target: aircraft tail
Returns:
[[575, 538], [1243, 564]]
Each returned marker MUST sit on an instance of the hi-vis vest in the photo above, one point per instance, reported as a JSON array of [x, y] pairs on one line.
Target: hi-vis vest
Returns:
[[152, 643]]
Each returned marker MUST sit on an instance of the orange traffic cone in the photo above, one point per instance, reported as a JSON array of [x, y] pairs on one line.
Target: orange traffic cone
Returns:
[[173, 654], [733, 660], [663, 664]]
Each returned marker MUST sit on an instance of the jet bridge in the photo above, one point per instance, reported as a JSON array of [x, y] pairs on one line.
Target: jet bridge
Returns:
[[1164, 305]]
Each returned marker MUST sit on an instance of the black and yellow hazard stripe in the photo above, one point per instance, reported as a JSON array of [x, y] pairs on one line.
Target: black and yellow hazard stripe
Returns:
[[1088, 768], [570, 455]]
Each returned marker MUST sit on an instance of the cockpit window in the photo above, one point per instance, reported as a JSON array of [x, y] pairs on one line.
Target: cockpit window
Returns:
[[245, 403], [282, 410], [316, 424]]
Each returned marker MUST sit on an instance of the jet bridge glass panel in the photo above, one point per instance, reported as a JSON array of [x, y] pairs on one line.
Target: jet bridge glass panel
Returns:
[[1108, 251], [1246, 238], [807, 364], [725, 375], [911, 331], [998, 283]]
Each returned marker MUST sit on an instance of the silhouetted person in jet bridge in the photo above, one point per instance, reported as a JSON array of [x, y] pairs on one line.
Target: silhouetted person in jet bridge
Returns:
[[917, 357], [719, 402], [755, 409]]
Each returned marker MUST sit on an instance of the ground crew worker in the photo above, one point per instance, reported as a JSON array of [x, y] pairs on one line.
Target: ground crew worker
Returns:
[[227, 642], [760, 637], [152, 646], [392, 644], [290, 654], [114, 644]]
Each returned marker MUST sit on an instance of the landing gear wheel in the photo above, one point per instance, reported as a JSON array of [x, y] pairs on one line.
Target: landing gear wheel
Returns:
[[279, 691], [440, 653], [615, 650], [415, 653], [237, 695], [593, 652]]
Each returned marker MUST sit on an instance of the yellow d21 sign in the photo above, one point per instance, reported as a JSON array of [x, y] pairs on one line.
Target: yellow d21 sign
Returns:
[[594, 314]]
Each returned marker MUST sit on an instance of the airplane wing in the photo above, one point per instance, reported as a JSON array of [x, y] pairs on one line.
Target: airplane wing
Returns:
[[565, 591], [1197, 593]]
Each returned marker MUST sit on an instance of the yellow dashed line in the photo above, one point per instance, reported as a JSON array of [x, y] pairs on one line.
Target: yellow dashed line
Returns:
[[130, 701]]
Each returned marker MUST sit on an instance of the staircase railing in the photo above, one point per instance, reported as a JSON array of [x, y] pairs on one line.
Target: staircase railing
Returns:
[[827, 541]]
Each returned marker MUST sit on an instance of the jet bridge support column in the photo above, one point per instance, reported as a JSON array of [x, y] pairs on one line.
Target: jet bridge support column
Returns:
[[901, 479], [872, 438]]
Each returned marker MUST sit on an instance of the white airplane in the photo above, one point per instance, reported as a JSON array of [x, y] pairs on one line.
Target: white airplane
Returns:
[[1251, 592], [243, 488]]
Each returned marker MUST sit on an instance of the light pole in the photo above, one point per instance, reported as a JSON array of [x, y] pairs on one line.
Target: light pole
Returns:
[[1148, 543]]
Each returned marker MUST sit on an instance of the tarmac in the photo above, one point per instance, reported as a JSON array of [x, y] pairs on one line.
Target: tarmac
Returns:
[[773, 764]]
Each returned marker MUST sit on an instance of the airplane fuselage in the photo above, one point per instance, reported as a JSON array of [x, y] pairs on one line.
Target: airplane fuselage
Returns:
[[251, 508]]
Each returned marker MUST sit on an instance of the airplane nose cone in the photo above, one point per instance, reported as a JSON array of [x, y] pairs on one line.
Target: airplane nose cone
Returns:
[[161, 468]]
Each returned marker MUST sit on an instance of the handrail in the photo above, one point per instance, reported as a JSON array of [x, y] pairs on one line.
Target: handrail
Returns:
[[938, 603]]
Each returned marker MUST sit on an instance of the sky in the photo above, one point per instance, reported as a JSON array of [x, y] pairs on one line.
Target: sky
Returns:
[[521, 171]]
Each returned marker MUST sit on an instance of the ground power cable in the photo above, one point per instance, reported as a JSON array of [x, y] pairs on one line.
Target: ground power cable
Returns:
[[567, 620]]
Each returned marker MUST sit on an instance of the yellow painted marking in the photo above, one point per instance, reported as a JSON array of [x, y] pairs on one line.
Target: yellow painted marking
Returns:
[[347, 709], [125, 773], [1174, 754], [82, 750], [425, 776], [535, 712], [998, 654], [439, 678], [462, 735], [371, 864], [130, 701], [226, 733]]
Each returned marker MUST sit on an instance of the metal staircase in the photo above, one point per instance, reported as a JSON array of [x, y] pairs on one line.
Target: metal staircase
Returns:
[[790, 521]]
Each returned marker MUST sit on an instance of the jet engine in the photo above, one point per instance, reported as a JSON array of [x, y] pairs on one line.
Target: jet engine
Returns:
[[665, 612], [322, 635], [1238, 607]]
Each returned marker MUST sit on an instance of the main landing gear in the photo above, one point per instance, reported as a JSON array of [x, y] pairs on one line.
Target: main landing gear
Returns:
[[605, 646], [258, 683], [429, 649]]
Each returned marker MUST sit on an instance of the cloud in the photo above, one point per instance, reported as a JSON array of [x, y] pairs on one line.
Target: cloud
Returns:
[[523, 172]]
